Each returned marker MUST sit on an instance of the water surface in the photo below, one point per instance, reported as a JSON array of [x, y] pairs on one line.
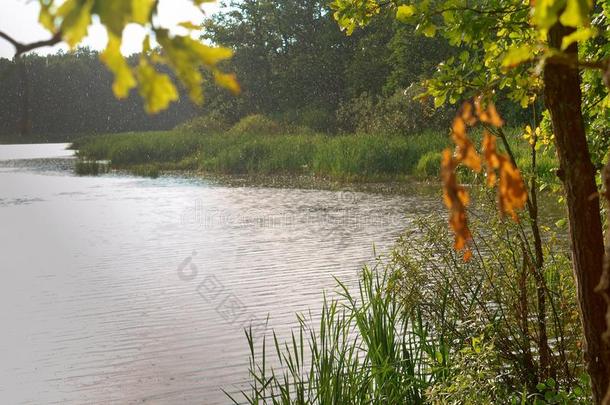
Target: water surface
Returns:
[[118, 289]]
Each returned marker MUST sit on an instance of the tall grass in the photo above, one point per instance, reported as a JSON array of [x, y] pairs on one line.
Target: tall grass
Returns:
[[427, 327], [366, 348], [344, 157]]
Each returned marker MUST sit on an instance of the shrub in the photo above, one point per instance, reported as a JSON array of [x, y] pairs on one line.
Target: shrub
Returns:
[[211, 123], [496, 295], [356, 114], [256, 124], [399, 114]]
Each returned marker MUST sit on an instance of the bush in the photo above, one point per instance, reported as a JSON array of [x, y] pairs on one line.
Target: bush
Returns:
[[211, 123], [256, 124], [318, 119], [356, 114], [494, 295], [399, 114]]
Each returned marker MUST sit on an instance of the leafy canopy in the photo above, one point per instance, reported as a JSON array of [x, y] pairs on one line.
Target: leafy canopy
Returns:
[[503, 46], [183, 54]]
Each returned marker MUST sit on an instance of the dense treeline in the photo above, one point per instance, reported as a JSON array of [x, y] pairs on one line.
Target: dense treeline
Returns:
[[71, 93], [293, 64]]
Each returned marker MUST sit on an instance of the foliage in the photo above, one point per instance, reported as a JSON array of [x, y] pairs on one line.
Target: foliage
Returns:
[[489, 305], [340, 157], [474, 376], [256, 124], [502, 50], [367, 348], [429, 165], [500, 170], [292, 62], [211, 123], [399, 113], [425, 327], [70, 21]]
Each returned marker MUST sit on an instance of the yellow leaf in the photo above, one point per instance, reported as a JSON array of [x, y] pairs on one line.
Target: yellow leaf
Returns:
[[45, 17], [114, 14], [141, 10], [209, 55], [228, 81], [404, 12], [518, 55], [429, 30], [546, 13], [156, 89], [189, 25], [579, 35], [76, 20], [114, 60], [576, 13]]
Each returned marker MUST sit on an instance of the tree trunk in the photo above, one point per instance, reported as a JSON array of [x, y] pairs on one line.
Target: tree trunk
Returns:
[[563, 99]]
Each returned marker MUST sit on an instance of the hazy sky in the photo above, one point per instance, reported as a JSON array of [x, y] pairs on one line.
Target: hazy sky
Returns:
[[19, 19]]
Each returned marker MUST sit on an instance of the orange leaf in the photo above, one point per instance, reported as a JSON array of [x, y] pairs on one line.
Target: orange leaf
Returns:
[[489, 115], [465, 151]]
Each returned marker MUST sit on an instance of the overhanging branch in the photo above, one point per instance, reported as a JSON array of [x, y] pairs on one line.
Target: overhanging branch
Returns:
[[21, 48]]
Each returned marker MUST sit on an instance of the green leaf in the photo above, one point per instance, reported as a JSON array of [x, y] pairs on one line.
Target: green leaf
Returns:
[[114, 60], [404, 12], [156, 89]]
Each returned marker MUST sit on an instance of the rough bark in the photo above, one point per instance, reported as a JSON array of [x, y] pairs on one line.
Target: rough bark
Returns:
[[604, 285], [563, 99]]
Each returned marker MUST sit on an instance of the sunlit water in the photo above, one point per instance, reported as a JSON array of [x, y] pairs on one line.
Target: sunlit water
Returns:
[[119, 289]]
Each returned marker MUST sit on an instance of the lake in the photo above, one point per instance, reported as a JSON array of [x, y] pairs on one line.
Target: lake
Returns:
[[120, 289]]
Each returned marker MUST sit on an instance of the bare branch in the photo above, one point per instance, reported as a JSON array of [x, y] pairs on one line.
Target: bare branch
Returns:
[[23, 48]]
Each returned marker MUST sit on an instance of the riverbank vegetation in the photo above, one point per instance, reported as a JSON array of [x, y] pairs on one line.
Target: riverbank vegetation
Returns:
[[423, 326], [257, 145]]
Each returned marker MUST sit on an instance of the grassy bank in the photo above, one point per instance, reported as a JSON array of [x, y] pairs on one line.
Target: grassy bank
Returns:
[[424, 327], [347, 157], [343, 157]]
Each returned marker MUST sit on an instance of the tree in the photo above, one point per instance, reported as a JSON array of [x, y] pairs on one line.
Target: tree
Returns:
[[529, 51], [289, 55]]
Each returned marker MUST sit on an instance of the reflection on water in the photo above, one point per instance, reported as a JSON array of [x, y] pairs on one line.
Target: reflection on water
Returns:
[[123, 289]]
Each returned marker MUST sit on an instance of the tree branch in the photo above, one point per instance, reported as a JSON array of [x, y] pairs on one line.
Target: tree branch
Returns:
[[573, 62], [23, 48]]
